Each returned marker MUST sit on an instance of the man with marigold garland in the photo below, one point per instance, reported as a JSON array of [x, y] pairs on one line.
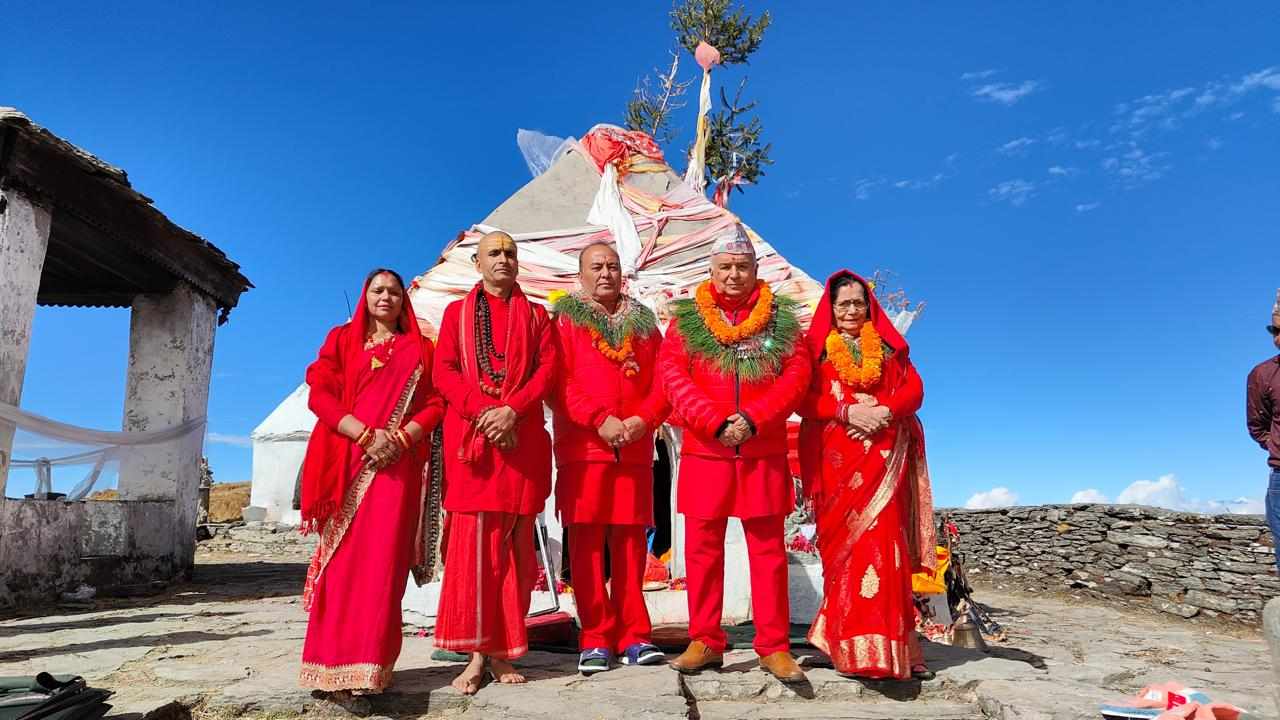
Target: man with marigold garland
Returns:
[[607, 405], [735, 367]]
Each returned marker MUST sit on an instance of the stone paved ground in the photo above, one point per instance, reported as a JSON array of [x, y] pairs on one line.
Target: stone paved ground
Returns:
[[227, 645]]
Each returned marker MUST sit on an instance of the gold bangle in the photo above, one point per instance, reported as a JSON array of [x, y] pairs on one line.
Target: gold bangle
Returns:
[[403, 438], [365, 437]]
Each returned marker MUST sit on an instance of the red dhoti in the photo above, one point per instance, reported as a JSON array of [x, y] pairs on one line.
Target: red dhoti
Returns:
[[487, 584]]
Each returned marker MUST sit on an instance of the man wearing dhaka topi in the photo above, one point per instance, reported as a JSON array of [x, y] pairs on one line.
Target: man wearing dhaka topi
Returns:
[[608, 404], [735, 367], [494, 365]]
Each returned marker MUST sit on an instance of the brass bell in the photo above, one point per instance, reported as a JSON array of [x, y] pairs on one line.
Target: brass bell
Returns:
[[966, 634]]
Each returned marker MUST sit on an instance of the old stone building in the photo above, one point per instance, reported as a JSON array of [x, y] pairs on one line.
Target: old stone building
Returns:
[[74, 232]]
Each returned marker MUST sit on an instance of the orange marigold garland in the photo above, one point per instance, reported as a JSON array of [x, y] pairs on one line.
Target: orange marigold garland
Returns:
[[728, 334], [866, 373], [624, 355], [611, 335]]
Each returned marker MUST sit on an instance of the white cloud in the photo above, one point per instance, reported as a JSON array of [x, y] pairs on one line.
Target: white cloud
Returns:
[[1087, 207], [1005, 93], [1167, 492], [1089, 496], [1057, 136], [1132, 166], [1061, 171], [225, 439], [1268, 78], [979, 74], [1086, 144], [1015, 192], [996, 497], [1016, 146], [919, 183], [1214, 143], [863, 187], [1166, 109]]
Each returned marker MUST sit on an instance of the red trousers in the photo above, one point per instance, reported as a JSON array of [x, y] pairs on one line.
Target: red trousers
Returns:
[[616, 619], [489, 573], [767, 557]]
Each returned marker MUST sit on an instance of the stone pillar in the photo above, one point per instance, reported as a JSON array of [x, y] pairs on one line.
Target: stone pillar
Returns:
[[170, 362], [24, 239]]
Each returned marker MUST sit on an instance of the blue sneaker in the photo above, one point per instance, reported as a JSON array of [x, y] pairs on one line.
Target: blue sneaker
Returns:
[[642, 654], [593, 660]]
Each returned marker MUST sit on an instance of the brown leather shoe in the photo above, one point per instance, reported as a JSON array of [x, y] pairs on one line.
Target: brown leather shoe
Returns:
[[782, 666], [697, 657]]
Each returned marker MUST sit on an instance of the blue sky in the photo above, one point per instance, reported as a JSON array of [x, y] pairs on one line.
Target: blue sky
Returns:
[[1085, 196]]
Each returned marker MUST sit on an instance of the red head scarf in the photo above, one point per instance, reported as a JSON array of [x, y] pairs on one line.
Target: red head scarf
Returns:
[[823, 319], [332, 459]]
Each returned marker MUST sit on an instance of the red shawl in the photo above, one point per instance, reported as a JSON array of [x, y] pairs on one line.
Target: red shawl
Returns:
[[823, 319], [333, 460], [518, 349]]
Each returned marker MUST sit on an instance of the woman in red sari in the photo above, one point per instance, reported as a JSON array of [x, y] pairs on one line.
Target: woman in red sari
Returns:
[[863, 465], [363, 489]]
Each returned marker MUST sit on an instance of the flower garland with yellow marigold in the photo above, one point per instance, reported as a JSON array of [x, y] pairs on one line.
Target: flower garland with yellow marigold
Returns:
[[624, 356], [840, 354], [611, 335], [729, 334], [754, 350]]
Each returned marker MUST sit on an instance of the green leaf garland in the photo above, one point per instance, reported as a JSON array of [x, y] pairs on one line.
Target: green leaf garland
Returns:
[[753, 359]]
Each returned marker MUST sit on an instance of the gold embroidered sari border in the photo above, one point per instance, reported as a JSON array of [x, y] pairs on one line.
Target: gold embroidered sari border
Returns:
[[357, 676]]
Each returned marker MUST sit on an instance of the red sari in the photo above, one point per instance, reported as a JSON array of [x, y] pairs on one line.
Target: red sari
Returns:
[[370, 522], [873, 504]]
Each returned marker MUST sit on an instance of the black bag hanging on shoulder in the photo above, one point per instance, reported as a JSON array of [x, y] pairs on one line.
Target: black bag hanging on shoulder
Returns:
[[46, 697]]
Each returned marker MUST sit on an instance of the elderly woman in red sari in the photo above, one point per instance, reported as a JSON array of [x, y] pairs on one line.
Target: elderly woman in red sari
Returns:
[[863, 465], [363, 488]]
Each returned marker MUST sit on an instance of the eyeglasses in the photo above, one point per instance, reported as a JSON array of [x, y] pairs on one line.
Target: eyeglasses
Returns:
[[1274, 330]]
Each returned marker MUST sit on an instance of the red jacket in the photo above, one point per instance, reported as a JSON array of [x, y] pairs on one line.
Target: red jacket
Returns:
[[702, 397], [592, 387]]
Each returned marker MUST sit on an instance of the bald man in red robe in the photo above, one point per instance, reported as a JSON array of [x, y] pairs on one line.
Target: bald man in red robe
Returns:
[[735, 367], [495, 364]]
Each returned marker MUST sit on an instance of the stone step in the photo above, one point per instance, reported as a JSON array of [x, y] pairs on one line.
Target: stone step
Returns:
[[838, 711], [738, 684]]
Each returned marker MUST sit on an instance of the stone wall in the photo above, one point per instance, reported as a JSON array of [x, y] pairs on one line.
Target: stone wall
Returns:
[[50, 547], [1181, 563]]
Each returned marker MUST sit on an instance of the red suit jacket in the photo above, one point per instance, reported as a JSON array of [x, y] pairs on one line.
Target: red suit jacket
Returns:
[[702, 397], [592, 387]]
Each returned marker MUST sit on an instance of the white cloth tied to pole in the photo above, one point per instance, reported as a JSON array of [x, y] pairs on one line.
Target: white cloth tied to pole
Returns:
[[607, 209], [113, 446], [695, 175]]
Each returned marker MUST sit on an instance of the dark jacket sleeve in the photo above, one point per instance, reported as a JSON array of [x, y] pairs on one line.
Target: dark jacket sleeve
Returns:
[[1258, 409]]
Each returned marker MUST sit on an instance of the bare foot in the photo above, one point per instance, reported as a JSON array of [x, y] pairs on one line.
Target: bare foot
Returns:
[[468, 682], [505, 672]]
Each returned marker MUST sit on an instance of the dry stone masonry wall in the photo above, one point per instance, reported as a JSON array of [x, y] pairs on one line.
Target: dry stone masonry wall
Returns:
[[1186, 564]]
